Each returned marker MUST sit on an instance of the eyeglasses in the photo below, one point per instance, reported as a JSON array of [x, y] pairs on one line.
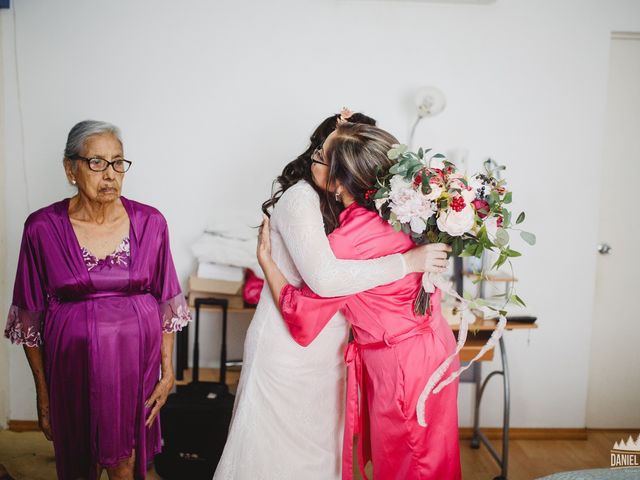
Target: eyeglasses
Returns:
[[317, 157], [100, 164]]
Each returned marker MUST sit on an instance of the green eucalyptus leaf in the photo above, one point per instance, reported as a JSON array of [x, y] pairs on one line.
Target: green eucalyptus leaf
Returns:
[[500, 261], [516, 299], [520, 218], [396, 150], [502, 237], [469, 250], [506, 218], [507, 197], [380, 194], [528, 237]]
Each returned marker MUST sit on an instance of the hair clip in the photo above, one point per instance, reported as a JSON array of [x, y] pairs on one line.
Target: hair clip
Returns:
[[345, 114]]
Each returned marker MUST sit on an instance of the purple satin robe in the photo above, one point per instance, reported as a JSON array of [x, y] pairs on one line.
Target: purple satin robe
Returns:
[[101, 332]]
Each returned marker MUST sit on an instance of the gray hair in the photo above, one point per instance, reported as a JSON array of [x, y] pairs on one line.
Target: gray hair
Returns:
[[85, 129]]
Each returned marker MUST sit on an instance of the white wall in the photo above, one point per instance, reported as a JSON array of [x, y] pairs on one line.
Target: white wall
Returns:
[[215, 97], [4, 352]]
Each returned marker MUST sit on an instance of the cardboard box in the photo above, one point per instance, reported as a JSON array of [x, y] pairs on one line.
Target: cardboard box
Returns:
[[235, 301], [207, 285]]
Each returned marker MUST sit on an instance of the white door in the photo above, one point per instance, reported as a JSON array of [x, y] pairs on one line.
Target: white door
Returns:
[[614, 371]]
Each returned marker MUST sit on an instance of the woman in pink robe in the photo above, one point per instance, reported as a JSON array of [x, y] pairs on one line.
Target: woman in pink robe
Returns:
[[394, 350]]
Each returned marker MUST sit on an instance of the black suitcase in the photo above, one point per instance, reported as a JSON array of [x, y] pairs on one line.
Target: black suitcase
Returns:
[[195, 420]]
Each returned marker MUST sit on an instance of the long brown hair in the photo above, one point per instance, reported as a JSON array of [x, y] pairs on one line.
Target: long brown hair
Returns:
[[300, 169], [357, 154]]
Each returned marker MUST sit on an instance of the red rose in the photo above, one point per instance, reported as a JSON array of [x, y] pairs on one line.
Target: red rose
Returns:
[[499, 222], [418, 180], [482, 207]]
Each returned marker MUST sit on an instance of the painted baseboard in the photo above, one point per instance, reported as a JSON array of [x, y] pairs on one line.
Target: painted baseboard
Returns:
[[23, 426], [529, 433]]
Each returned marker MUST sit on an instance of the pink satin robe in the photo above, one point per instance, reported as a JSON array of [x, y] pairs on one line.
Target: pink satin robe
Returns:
[[392, 357]]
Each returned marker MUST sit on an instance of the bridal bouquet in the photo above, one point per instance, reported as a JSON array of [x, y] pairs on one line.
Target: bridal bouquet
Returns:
[[427, 197]]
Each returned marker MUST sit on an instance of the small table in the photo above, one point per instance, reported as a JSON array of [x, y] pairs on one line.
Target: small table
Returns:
[[477, 336]]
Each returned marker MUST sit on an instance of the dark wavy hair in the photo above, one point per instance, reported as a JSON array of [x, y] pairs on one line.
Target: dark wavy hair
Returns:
[[300, 169]]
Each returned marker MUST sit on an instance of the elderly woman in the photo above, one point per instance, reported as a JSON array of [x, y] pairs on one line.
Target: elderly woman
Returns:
[[96, 303]]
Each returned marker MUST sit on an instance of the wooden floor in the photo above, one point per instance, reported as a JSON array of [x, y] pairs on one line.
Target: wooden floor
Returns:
[[31, 454], [528, 459]]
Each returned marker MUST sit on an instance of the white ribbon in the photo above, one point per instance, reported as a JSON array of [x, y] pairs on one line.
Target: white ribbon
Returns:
[[429, 282]]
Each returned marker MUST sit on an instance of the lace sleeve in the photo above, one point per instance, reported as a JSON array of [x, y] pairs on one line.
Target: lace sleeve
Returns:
[[175, 314], [300, 224], [25, 322], [24, 327], [165, 286]]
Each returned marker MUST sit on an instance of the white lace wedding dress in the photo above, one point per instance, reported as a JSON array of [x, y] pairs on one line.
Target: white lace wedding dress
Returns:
[[288, 415]]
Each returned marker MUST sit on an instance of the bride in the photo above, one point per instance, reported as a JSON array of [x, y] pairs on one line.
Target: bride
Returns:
[[289, 411]]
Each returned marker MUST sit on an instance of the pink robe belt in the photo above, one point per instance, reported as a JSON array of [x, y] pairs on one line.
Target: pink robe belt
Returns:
[[353, 418]]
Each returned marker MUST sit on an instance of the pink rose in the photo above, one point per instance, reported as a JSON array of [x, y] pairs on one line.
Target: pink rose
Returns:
[[481, 206]]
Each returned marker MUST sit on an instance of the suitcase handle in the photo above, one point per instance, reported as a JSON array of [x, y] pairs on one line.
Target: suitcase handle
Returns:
[[224, 304]]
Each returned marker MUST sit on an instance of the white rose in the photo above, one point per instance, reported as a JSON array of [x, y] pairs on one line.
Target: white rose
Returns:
[[413, 208], [399, 184], [403, 205], [456, 223], [411, 204], [436, 191], [469, 195], [418, 225]]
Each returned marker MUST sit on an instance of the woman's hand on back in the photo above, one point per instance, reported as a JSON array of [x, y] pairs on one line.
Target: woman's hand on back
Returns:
[[263, 251], [430, 258]]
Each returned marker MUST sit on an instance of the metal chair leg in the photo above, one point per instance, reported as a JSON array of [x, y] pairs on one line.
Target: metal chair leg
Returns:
[[505, 412], [479, 436], [477, 376]]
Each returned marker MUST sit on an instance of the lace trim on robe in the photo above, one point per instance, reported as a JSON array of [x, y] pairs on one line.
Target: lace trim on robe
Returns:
[[24, 327], [175, 314], [119, 257]]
